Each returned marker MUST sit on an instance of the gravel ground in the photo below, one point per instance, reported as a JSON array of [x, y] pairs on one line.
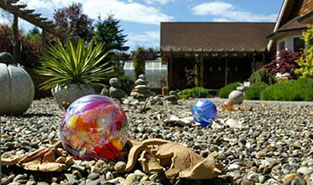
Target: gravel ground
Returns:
[[276, 140]]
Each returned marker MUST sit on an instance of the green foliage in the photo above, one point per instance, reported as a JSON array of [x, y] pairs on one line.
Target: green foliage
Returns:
[[306, 61], [139, 60], [34, 35], [75, 21], [294, 90], [127, 84], [254, 91], [196, 92], [69, 64], [225, 91], [261, 75], [108, 32]]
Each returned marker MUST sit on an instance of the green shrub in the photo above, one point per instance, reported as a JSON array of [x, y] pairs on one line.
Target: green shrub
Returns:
[[254, 91], [294, 90], [196, 92], [224, 92], [261, 75], [127, 84]]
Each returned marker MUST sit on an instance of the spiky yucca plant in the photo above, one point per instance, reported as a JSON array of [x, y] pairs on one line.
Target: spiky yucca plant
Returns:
[[74, 65]]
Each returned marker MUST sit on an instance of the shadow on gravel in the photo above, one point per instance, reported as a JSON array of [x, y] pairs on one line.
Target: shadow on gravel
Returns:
[[29, 115]]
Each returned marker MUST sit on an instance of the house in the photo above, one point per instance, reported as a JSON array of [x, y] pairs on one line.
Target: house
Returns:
[[291, 22], [223, 52]]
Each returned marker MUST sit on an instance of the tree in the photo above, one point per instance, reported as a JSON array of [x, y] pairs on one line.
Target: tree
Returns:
[[139, 59], [72, 18], [306, 61], [284, 63], [34, 34], [109, 32]]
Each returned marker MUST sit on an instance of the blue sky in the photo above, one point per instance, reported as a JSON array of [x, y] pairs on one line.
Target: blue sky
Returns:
[[141, 19]]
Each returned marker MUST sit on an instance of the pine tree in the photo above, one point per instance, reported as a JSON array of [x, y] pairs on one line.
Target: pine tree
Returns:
[[109, 32]]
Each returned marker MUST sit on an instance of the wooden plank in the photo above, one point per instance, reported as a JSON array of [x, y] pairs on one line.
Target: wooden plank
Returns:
[[19, 6], [16, 47], [28, 11], [31, 18], [43, 41], [11, 1]]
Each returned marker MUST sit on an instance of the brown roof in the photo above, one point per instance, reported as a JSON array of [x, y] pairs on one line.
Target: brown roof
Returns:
[[214, 36], [293, 24]]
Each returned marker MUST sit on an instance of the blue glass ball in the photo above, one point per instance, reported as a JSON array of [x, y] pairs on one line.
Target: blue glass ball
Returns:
[[203, 111]]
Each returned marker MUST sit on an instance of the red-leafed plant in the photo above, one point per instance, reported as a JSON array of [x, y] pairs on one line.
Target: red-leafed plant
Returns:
[[284, 63]]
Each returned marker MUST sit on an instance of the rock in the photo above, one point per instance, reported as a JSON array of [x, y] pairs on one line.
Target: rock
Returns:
[[109, 175], [19, 177], [7, 180], [130, 179], [93, 176], [142, 76], [233, 167], [141, 82], [233, 123], [305, 171], [142, 87], [115, 82], [236, 97], [71, 179], [79, 168], [117, 93], [95, 169], [31, 182], [42, 183], [120, 167]]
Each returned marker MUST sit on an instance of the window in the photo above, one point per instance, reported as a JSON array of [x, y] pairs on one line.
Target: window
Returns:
[[281, 46], [298, 44]]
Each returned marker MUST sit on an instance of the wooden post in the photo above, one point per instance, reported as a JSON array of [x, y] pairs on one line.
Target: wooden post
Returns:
[[226, 70], [201, 70], [43, 41], [253, 64], [170, 72], [16, 46]]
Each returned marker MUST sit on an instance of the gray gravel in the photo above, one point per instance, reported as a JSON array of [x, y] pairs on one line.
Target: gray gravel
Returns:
[[276, 140]]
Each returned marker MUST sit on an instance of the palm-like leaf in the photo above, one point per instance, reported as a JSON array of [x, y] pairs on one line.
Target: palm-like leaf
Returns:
[[79, 65]]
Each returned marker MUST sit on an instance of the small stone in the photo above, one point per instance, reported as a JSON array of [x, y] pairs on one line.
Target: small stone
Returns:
[[261, 154], [31, 182], [19, 177], [305, 170], [139, 173], [120, 167], [42, 183], [109, 175], [95, 169], [233, 167], [93, 176], [79, 168], [130, 179]]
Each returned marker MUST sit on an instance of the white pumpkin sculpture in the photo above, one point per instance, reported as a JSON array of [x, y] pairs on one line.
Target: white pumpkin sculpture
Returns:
[[17, 89]]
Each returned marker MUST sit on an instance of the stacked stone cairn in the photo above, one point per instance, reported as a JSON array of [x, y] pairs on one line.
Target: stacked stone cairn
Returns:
[[172, 97], [115, 90], [141, 90]]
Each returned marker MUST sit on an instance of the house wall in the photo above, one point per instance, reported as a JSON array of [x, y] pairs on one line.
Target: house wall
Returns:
[[306, 7], [289, 45], [239, 69]]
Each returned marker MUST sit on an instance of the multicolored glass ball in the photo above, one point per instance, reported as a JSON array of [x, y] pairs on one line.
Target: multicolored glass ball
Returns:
[[94, 127], [204, 111]]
